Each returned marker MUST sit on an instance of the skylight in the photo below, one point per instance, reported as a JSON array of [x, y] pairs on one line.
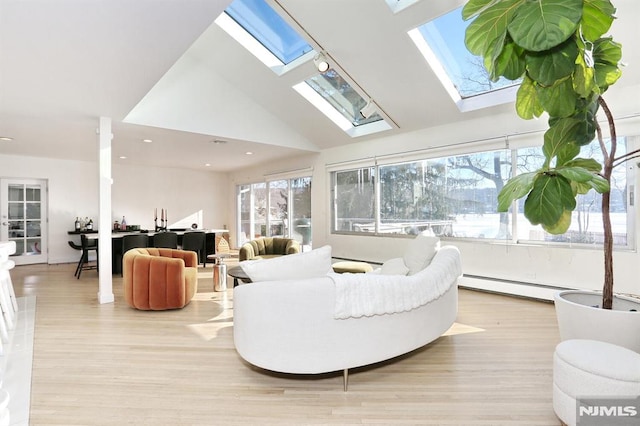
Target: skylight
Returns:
[[262, 31], [341, 103], [399, 5], [441, 42]]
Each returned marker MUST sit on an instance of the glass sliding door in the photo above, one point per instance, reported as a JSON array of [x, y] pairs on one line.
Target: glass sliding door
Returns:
[[301, 211], [259, 203], [245, 224], [278, 208]]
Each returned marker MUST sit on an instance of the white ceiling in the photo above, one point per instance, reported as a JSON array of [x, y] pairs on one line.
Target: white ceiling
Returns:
[[165, 66]]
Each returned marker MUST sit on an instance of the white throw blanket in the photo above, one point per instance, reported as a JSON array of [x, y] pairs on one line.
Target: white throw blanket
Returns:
[[359, 295]]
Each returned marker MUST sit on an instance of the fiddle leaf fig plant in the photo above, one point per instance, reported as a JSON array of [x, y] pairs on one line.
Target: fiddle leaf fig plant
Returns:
[[559, 50]]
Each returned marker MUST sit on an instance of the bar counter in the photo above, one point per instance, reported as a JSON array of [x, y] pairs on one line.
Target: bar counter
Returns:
[[116, 238]]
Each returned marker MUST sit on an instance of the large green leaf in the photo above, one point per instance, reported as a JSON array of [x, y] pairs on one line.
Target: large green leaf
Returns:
[[558, 100], [581, 187], [561, 226], [509, 63], [597, 17], [550, 197], [473, 7], [488, 26], [516, 188], [590, 164], [559, 140], [566, 152], [550, 66], [600, 184], [515, 66], [577, 174], [583, 78], [490, 59], [527, 104], [606, 54], [542, 24], [586, 115]]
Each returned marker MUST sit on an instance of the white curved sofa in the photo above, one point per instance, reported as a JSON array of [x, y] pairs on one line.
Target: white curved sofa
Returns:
[[290, 326]]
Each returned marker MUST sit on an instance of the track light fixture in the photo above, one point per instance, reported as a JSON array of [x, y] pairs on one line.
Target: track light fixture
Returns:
[[321, 62], [369, 109]]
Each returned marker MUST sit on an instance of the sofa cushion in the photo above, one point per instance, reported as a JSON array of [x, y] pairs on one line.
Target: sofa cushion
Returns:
[[311, 264], [420, 251], [394, 266]]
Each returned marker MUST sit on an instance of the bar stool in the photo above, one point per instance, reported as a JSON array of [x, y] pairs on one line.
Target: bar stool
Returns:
[[129, 242], [86, 246], [195, 241], [165, 240]]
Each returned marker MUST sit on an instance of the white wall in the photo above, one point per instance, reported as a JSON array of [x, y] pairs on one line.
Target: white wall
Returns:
[[73, 191], [559, 267]]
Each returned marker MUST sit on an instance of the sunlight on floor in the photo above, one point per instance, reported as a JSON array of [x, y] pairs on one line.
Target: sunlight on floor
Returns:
[[209, 330], [457, 328]]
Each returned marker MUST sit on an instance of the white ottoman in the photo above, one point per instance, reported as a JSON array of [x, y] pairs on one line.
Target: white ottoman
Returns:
[[588, 368]]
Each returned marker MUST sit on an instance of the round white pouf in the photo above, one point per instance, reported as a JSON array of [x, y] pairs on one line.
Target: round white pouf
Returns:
[[589, 368]]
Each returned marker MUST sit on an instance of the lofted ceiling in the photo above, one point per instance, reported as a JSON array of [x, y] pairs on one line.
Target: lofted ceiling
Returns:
[[163, 70]]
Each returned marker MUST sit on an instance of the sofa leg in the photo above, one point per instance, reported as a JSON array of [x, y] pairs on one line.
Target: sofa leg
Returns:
[[345, 378]]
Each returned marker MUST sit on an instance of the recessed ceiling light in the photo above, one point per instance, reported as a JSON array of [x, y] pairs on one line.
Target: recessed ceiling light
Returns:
[[207, 165], [147, 140], [123, 157], [5, 138], [249, 153]]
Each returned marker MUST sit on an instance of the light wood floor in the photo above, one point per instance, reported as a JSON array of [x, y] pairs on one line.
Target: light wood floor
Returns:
[[112, 365]]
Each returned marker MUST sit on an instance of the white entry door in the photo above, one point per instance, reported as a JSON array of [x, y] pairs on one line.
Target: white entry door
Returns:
[[23, 218]]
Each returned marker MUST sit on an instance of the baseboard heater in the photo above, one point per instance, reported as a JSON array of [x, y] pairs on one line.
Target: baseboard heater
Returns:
[[510, 287]]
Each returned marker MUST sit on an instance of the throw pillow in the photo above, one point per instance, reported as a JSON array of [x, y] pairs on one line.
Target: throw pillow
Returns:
[[311, 264], [394, 266], [420, 251]]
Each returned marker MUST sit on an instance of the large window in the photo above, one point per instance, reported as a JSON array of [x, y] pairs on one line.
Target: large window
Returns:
[[278, 208], [456, 197], [354, 200]]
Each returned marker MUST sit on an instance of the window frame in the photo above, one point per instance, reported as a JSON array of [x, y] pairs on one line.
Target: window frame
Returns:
[[515, 217]]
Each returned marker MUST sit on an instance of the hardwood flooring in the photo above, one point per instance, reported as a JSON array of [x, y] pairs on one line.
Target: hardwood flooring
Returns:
[[112, 365]]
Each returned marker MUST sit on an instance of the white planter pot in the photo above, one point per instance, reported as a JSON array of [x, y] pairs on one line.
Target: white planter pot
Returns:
[[580, 317]]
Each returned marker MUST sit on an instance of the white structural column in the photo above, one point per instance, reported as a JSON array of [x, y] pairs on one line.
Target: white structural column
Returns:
[[105, 280]]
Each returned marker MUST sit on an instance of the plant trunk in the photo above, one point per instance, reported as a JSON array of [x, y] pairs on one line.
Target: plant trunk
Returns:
[[607, 287], [609, 159]]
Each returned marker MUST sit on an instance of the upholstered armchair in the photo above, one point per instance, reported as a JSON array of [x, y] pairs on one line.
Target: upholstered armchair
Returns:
[[267, 247], [159, 278]]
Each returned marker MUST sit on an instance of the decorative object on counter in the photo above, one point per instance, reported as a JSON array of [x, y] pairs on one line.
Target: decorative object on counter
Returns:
[[164, 221], [123, 224], [116, 226], [81, 224]]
